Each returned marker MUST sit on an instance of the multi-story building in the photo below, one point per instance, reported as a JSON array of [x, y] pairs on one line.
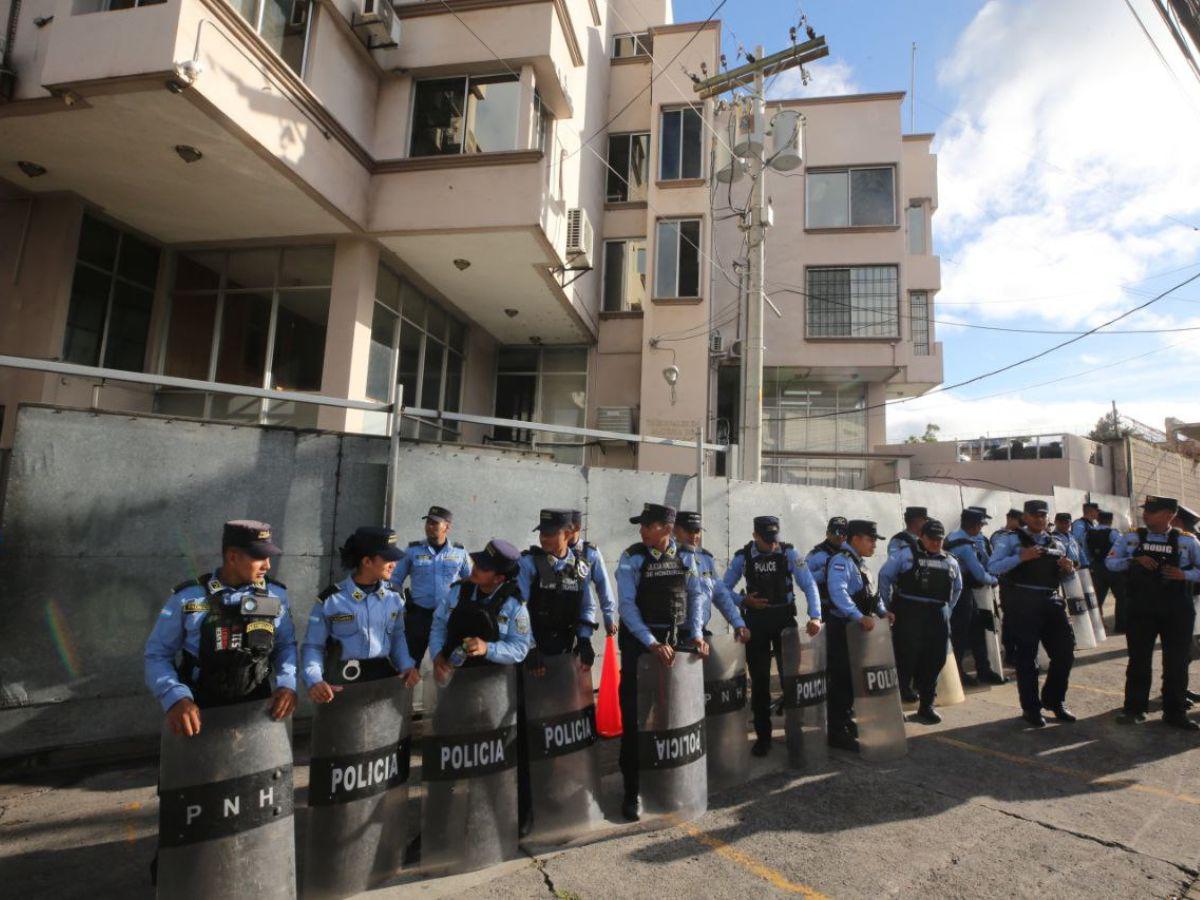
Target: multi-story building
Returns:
[[502, 206]]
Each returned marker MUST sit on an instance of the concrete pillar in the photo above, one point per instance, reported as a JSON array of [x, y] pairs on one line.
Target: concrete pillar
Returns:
[[525, 122], [348, 333]]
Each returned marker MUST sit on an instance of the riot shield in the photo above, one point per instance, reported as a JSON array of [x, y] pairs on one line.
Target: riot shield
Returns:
[[469, 767], [1196, 627], [358, 788], [1093, 607], [670, 724], [949, 685], [727, 750], [805, 687], [1077, 612], [225, 821], [564, 768], [988, 611], [877, 707]]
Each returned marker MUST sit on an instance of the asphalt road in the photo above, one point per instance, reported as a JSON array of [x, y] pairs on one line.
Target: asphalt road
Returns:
[[980, 807]]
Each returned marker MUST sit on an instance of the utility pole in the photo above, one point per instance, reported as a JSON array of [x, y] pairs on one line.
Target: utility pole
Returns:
[[757, 221]]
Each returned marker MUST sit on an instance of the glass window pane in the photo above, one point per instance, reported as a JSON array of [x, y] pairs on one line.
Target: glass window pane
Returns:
[[693, 144], [828, 196], [635, 274], [828, 302], [252, 269], [85, 318], [689, 258], [300, 340], [189, 338], [614, 276], [128, 326], [458, 336], [248, 10], [242, 354], [916, 230], [139, 262], [387, 288], [918, 302], [415, 304], [379, 359], [517, 359], [515, 396], [198, 271], [408, 373], [669, 138], [436, 322], [306, 267], [872, 201], [564, 402], [618, 168], [282, 33], [438, 117], [492, 113], [639, 166], [236, 409], [667, 249], [431, 375], [454, 381], [97, 243], [572, 360]]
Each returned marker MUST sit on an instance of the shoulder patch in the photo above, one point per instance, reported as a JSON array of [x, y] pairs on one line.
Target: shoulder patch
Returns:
[[342, 617], [195, 606], [328, 592], [634, 548], [191, 582]]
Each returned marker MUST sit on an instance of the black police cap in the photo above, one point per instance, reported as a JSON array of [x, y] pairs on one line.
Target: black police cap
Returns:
[[856, 527], [497, 556], [576, 518], [1106, 517], [1187, 517], [250, 536], [551, 520], [837, 525], [1033, 507], [972, 515], [1159, 504], [1062, 517], [1013, 514], [439, 514], [373, 540], [933, 529], [654, 514], [767, 526], [915, 512], [688, 521], [1088, 504]]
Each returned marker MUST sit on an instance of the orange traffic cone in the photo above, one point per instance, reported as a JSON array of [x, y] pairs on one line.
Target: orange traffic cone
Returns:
[[608, 706]]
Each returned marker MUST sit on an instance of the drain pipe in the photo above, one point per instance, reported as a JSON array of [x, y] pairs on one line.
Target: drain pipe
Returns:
[[8, 76]]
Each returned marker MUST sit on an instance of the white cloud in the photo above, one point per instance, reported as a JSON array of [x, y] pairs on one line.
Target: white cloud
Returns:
[[827, 78]]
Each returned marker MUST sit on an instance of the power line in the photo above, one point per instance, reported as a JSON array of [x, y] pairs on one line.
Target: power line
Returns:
[[1162, 59]]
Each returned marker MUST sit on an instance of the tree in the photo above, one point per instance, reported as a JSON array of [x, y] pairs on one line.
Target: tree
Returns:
[[1110, 428], [929, 437]]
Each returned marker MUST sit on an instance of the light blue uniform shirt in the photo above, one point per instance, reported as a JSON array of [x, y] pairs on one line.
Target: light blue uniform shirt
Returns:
[[368, 626], [796, 568], [1006, 554], [1122, 552], [629, 575], [1074, 549], [431, 571], [178, 629], [515, 635], [716, 594], [1079, 530], [817, 562], [845, 581], [598, 577], [527, 576], [901, 562], [970, 556]]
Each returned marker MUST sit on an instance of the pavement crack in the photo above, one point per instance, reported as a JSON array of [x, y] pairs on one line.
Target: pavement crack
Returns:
[[540, 865]]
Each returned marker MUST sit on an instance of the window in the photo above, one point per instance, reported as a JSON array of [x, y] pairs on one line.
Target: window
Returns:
[[250, 317], [677, 272], [918, 305], [680, 144], [626, 45], [628, 167], [283, 24], [543, 385], [856, 302], [110, 5], [851, 198], [918, 243], [466, 115], [624, 275], [112, 293], [543, 124]]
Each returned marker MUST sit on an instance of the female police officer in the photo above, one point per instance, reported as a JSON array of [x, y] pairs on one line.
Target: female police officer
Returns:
[[356, 629]]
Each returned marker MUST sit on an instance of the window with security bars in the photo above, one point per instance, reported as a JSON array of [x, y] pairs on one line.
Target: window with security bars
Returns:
[[853, 302], [918, 311]]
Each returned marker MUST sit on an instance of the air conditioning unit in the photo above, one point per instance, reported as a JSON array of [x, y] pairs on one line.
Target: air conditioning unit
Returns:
[[716, 343], [579, 239], [735, 350], [377, 25], [615, 418]]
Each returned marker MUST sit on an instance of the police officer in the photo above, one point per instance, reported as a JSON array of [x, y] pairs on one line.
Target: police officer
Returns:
[[1186, 520], [661, 602], [597, 573], [968, 629], [432, 566], [552, 579], [688, 533], [1012, 523], [1080, 529], [1162, 562], [231, 630], [1033, 564], [1064, 534], [356, 627], [914, 518], [920, 588], [853, 601], [1100, 541], [818, 557], [769, 568]]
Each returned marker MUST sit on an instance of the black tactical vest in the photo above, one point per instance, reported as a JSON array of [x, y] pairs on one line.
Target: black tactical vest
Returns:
[[662, 588], [929, 577], [476, 618], [556, 599], [1146, 584], [1099, 542], [969, 581], [866, 598], [1040, 572], [907, 538], [823, 585], [767, 574], [236, 641]]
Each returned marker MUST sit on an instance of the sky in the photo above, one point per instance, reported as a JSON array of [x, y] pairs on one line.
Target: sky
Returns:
[[1069, 193]]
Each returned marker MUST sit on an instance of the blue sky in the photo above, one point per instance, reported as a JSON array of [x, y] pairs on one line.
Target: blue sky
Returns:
[[1065, 190]]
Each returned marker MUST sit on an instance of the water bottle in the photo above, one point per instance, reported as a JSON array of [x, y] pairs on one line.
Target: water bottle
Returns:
[[458, 656]]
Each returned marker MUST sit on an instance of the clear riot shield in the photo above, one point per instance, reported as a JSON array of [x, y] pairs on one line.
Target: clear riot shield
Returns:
[[988, 611], [1077, 612], [949, 685], [670, 723], [564, 768], [1196, 627], [469, 767], [225, 822], [1093, 606], [727, 749], [880, 718], [805, 686], [358, 789]]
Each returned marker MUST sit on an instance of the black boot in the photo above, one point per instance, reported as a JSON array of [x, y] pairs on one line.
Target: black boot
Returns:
[[928, 715], [762, 746], [629, 809]]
